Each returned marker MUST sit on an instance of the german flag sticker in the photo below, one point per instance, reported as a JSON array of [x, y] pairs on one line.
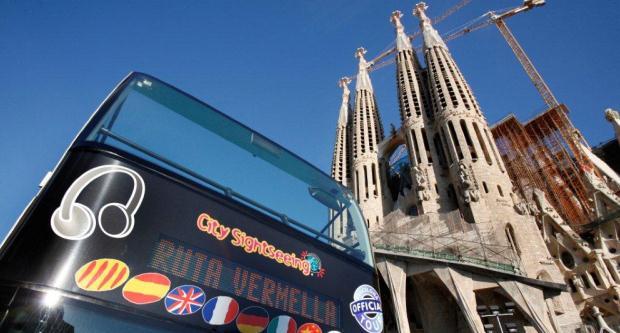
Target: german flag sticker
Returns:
[[252, 319], [102, 275], [146, 288]]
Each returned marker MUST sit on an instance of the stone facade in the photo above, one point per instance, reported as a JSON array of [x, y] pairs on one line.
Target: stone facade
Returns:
[[456, 239]]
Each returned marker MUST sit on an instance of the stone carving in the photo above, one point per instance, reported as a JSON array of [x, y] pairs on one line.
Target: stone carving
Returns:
[[534, 211], [525, 207], [520, 207], [577, 282], [611, 115], [421, 183], [599, 184], [468, 188]]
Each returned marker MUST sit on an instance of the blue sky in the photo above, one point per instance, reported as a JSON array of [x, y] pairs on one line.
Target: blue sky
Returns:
[[274, 66]]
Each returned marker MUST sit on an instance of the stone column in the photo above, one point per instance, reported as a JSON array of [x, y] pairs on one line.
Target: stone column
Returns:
[[393, 273], [602, 325], [531, 302], [462, 289]]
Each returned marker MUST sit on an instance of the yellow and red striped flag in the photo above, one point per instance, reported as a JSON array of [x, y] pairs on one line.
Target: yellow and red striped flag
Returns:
[[102, 275]]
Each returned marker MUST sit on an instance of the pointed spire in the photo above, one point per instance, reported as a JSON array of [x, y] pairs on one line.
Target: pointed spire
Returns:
[[363, 80], [344, 107], [431, 36], [402, 40]]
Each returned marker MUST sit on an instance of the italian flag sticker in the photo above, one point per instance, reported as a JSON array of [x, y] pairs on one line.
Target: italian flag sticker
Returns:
[[282, 324]]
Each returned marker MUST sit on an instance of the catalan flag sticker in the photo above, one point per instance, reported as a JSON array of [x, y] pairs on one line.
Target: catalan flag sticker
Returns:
[[282, 324], [220, 310], [252, 319], [146, 288], [309, 328], [102, 275]]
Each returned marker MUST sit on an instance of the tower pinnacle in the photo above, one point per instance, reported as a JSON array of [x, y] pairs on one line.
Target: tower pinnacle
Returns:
[[431, 36], [344, 107], [363, 80], [402, 40]]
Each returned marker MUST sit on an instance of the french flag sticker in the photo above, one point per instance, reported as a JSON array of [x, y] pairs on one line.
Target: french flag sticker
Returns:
[[220, 310]]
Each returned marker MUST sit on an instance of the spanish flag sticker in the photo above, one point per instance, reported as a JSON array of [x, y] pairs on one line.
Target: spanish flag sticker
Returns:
[[252, 319], [102, 275], [146, 288]]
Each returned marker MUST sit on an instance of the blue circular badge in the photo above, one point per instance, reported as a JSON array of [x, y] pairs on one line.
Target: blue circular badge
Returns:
[[366, 308]]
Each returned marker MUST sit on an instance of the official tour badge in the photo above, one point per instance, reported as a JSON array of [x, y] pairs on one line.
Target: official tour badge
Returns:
[[366, 308]]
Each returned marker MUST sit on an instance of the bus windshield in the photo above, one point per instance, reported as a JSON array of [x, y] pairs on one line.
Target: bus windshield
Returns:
[[154, 121]]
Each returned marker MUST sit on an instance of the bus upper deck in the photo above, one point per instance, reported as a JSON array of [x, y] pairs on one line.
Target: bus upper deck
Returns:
[[167, 214]]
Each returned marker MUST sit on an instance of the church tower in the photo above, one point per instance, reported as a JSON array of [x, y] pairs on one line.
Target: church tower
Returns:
[[425, 150], [341, 160], [367, 134], [478, 177]]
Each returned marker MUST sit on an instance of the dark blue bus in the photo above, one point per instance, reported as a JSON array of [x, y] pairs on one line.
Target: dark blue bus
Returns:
[[166, 215]]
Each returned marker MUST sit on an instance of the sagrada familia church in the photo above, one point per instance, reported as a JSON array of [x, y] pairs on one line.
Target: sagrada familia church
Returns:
[[465, 240]]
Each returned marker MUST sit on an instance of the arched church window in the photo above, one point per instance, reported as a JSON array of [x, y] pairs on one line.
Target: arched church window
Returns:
[[512, 240], [441, 154], [494, 149], [416, 149], [429, 156], [455, 140], [366, 181], [483, 144], [468, 141], [399, 171]]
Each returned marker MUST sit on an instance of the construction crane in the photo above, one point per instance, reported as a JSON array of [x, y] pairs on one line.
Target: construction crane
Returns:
[[499, 20]]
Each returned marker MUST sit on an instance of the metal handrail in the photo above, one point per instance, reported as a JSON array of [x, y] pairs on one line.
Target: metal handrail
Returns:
[[449, 256], [227, 191]]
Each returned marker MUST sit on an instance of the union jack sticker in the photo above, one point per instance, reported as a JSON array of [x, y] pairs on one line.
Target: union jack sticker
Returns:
[[184, 300]]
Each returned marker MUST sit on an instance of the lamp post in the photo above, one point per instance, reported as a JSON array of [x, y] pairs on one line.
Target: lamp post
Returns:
[[494, 311]]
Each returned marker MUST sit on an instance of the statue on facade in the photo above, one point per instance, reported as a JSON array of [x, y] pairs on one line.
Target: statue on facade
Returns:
[[421, 184], [577, 282], [520, 207], [469, 191]]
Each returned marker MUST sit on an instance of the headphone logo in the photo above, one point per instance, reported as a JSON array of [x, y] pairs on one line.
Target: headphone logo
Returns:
[[74, 221]]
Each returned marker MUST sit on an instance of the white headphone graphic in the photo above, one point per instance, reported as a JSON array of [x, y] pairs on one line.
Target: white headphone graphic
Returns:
[[74, 221]]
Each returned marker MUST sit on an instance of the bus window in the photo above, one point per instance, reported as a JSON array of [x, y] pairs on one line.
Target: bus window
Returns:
[[164, 125]]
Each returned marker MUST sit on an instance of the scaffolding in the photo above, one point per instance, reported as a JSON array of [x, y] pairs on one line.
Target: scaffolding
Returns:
[[543, 153], [445, 237]]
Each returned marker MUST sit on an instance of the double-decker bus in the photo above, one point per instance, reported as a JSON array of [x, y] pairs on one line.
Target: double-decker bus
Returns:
[[166, 215]]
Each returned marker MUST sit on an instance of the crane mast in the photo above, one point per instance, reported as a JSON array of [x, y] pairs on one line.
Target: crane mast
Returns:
[[527, 64], [499, 20]]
